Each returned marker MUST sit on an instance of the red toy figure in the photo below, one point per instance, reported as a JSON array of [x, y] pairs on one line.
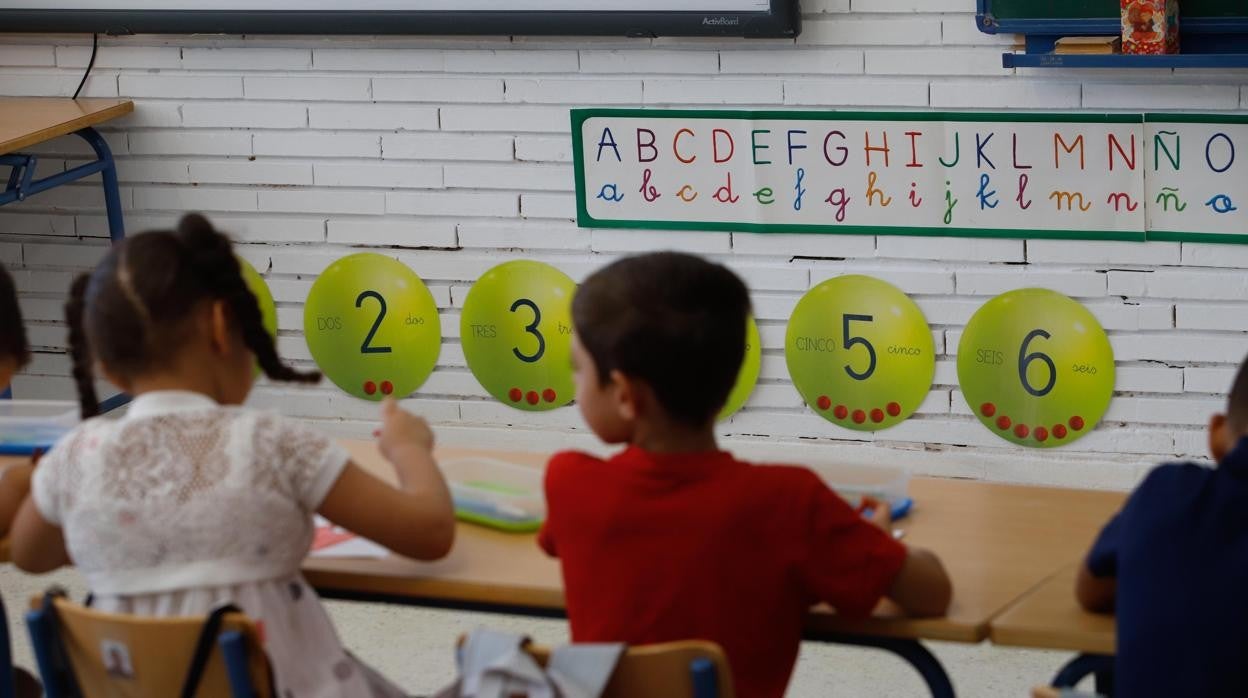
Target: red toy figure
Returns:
[[1150, 27]]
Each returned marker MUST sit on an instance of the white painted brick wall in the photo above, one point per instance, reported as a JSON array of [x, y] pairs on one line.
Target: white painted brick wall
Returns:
[[453, 155]]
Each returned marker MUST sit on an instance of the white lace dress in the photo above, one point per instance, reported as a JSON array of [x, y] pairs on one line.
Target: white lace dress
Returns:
[[183, 505]]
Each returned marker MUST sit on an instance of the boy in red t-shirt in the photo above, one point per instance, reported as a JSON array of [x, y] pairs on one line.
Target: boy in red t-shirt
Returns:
[[673, 538]]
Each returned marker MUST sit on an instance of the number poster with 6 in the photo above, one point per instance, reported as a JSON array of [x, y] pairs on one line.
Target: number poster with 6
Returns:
[[1036, 368]]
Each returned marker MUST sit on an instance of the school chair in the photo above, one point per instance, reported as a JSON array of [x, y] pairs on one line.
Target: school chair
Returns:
[[687, 669], [8, 678], [85, 653]]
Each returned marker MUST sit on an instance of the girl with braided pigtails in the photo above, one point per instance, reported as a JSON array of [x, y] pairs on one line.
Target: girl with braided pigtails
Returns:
[[190, 501]]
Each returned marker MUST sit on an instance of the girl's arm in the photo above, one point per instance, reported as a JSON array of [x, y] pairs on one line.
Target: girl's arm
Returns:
[[415, 519], [37, 546], [14, 486]]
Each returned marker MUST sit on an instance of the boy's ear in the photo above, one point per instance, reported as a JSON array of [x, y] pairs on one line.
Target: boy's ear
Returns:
[[1220, 437], [626, 394]]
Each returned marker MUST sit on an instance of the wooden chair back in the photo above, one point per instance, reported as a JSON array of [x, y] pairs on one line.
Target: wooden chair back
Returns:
[[125, 656], [687, 669]]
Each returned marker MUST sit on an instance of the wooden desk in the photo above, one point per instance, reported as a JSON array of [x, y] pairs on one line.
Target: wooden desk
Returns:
[[25, 122], [997, 541], [1048, 617]]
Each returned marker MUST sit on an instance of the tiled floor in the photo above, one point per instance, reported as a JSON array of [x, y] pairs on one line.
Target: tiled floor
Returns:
[[413, 647]]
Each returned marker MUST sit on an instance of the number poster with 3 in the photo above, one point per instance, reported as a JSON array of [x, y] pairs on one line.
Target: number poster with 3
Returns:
[[516, 328], [1036, 368], [372, 326]]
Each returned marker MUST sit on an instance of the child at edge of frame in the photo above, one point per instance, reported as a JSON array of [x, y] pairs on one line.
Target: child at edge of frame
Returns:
[[1172, 566], [192, 500]]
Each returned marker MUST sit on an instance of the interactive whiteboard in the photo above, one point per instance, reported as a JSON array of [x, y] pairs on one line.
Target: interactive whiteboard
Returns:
[[754, 18]]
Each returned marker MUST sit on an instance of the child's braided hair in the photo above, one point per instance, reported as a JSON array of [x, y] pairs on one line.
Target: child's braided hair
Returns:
[[130, 312]]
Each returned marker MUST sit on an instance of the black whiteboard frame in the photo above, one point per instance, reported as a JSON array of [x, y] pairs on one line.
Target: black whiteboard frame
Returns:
[[783, 20]]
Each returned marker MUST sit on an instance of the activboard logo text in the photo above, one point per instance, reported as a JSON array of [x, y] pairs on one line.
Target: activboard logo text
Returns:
[[721, 21]]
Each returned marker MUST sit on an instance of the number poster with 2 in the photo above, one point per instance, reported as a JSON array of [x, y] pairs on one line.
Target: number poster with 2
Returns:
[[372, 326], [1080, 176]]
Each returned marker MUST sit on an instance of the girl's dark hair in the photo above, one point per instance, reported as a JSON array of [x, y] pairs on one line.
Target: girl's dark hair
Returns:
[[674, 320], [131, 312], [13, 343]]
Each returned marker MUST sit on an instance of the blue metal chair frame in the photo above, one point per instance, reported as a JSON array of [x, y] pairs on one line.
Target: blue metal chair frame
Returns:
[[704, 678], [1099, 666], [22, 183], [8, 682], [44, 640]]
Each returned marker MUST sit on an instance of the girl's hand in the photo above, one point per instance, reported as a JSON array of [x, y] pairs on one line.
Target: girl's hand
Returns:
[[401, 430]]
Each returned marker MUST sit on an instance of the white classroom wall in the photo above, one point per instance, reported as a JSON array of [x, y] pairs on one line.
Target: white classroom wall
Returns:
[[454, 155]]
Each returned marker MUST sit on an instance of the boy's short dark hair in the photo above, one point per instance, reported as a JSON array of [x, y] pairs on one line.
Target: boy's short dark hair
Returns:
[[674, 320], [13, 343], [1237, 401]]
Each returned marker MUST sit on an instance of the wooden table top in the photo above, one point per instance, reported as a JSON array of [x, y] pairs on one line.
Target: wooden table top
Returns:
[[997, 541], [28, 121], [1050, 618]]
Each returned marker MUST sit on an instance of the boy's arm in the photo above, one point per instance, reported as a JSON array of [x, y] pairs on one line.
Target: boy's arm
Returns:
[[1096, 587], [922, 587], [1095, 594]]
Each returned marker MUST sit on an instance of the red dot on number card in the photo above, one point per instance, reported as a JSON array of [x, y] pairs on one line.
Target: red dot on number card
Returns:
[[1059, 431], [549, 395], [1041, 434], [894, 409], [370, 388], [1076, 423], [532, 397], [824, 402], [859, 416], [841, 412], [1021, 431], [516, 394], [387, 387], [877, 415], [1003, 422], [987, 409]]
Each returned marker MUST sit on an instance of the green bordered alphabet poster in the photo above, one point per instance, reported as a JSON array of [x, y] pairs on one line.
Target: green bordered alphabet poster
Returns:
[[1076, 176]]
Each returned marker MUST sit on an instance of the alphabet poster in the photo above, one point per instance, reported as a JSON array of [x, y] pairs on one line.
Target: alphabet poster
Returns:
[[1081, 176]]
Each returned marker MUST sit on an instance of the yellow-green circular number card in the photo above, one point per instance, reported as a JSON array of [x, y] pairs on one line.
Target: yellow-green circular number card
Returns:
[[860, 353], [372, 326], [1036, 368], [516, 329], [747, 379], [264, 299]]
